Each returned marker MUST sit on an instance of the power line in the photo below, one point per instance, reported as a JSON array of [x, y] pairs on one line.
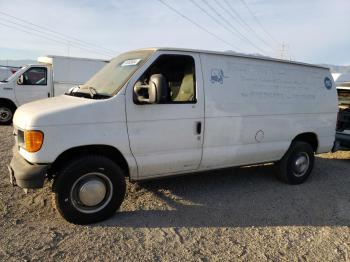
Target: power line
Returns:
[[235, 15], [215, 19], [29, 32], [212, 17], [66, 37], [45, 37], [228, 12], [258, 22], [196, 24], [69, 38], [42, 33], [232, 26]]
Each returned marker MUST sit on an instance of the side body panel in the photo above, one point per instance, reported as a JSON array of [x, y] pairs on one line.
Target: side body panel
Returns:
[[7, 91], [163, 137], [254, 109]]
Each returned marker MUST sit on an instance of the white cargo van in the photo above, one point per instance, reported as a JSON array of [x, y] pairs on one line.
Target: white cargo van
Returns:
[[53, 76], [160, 112]]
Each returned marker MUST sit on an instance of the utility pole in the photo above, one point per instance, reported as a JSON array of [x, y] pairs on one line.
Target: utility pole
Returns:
[[68, 47], [283, 52]]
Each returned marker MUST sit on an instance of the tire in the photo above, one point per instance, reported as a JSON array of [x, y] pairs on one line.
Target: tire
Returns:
[[296, 165], [6, 114], [89, 189]]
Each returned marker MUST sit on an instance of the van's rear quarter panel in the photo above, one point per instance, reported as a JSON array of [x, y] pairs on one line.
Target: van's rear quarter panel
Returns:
[[281, 99]]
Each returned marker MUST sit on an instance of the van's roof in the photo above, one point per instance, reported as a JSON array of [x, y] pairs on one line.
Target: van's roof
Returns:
[[232, 53]]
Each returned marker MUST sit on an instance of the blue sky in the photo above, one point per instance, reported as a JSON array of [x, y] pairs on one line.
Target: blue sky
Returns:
[[314, 31]]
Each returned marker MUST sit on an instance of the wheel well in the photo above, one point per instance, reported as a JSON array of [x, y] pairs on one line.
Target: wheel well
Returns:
[[8, 102], [103, 150], [309, 138]]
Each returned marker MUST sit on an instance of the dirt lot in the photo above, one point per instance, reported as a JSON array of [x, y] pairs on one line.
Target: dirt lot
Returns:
[[235, 214]]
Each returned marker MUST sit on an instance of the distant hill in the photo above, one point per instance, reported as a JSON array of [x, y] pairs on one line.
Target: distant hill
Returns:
[[17, 63], [338, 69]]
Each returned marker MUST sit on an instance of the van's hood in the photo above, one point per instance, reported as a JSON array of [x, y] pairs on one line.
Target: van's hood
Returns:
[[67, 110], [5, 85]]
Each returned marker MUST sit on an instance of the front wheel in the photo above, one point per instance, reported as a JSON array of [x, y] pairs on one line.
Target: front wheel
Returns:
[[297, 164], [89, 189], [6, 114]]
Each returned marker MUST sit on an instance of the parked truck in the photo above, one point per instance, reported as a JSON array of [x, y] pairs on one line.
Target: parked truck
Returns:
[[161, 112], [343, 125], [52, 76]]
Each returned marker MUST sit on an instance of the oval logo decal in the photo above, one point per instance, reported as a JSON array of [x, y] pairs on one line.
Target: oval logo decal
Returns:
[[327, 82]]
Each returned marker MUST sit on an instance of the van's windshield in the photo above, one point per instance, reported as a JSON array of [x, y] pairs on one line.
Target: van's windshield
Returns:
[[18, 73], [111, 78]]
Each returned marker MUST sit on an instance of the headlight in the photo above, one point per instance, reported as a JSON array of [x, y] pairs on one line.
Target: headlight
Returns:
[[33, 140]]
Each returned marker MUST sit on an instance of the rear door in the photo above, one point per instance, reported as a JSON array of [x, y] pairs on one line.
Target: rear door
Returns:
[[168, 138], [33, 84]]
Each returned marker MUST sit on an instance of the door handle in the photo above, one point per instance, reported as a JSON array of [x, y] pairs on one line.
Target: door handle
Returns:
[[199, 127]]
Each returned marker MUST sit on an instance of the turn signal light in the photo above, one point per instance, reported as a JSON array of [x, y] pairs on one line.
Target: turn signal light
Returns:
[[33, 140]]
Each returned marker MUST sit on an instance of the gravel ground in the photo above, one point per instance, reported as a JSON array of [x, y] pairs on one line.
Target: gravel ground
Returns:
[[234, 214]]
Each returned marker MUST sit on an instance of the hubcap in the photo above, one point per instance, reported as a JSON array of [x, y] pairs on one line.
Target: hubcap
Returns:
[[5, 114], [301, 164], [91, 192]]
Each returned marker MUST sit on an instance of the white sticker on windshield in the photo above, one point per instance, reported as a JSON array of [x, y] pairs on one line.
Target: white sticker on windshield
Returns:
[[131, 62]]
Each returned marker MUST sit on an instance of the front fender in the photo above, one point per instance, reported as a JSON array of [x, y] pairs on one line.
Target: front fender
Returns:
[[58, 139]]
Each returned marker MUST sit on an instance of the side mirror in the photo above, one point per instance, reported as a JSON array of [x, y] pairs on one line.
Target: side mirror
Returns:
[[20, 80], [155, 92], [144, 94]]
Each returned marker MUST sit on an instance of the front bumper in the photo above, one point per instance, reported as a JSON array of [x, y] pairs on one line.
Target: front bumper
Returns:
[[25, 174]]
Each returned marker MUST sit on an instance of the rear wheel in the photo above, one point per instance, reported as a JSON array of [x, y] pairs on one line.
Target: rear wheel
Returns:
[[297, 164], [89, 189], [6, 114]]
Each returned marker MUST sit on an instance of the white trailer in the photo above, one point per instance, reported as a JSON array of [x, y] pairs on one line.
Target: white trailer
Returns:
[[52, 76], [160, 112]]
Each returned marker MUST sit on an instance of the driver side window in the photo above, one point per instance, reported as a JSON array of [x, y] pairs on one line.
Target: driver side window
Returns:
[[34, 76], [178, 72]]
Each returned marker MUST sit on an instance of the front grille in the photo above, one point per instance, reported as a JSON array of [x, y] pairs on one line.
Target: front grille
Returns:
[[20, 138]]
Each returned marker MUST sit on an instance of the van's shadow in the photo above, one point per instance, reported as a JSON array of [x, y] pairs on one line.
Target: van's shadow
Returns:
[[244, 197]]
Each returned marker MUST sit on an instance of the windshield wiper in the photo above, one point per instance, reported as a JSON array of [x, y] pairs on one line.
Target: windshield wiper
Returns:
[[72, 90], [94, 94], [93, 91]]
